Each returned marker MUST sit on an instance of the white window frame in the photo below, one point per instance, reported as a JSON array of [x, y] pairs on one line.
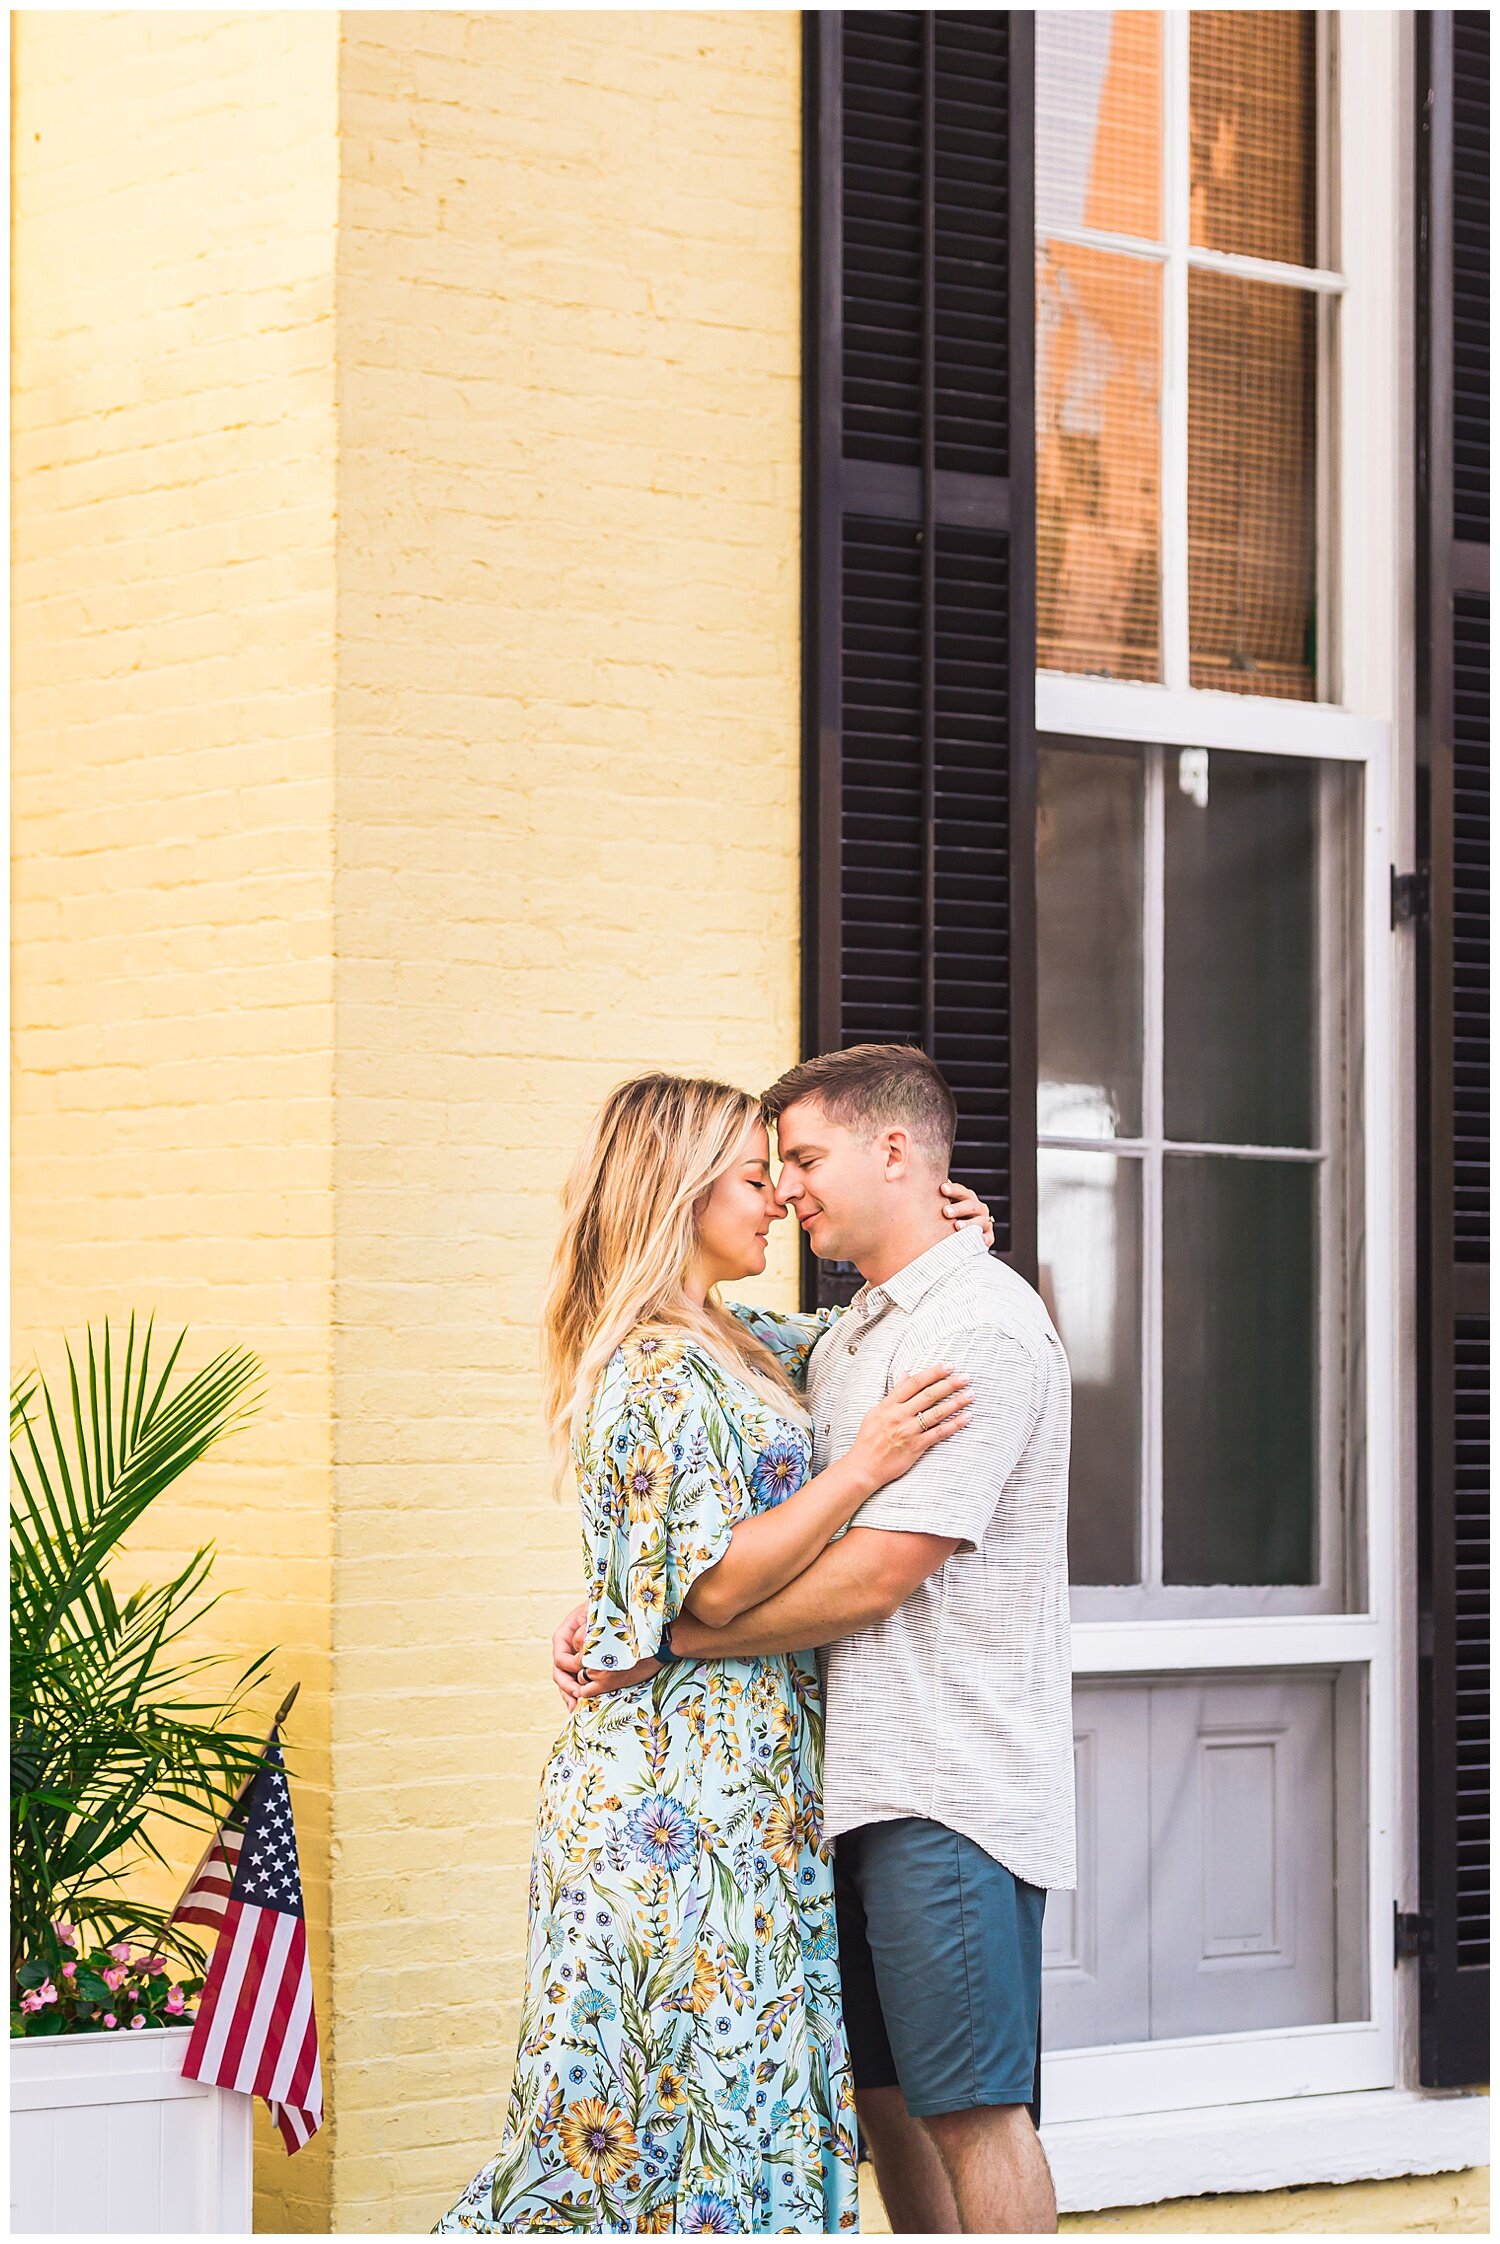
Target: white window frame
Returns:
[[1297, 2141], [1217, 2069], [1148, 1149], [1176, 256], [1088, 2088]]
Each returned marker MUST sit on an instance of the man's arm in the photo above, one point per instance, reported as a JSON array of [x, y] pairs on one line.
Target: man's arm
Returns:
[[860, 1579]]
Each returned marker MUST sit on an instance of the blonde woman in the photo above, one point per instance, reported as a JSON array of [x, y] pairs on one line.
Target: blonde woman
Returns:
[[682, 2063]]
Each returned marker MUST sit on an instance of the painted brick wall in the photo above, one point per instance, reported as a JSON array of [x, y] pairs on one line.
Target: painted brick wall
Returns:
[[1416, 2205], [568, 318], [174, 206]]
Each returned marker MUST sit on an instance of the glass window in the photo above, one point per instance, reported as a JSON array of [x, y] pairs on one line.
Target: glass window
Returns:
[[1239, 1364], [1089, 1226], [1183, 320], [1240, 970], [1098, 120], [1089, 943], [1196, 916], [1098, 462], [1252, 486], [1252, 102]]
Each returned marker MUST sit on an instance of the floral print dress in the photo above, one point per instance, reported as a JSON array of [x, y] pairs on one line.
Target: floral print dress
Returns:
[[682, 2063]]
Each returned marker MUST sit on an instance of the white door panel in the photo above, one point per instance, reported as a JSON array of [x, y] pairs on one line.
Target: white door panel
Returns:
[[1207, 1899], [1095, 1942], [1242, 1889]]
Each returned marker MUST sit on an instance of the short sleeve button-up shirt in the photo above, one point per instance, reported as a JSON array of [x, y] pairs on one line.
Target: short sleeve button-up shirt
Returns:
[[958, 1708]]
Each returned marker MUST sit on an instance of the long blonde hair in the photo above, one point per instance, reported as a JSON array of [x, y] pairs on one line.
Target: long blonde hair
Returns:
[[629, 1231]]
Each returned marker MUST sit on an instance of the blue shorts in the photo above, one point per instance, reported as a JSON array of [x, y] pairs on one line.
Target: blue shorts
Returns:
[[940, 1952]]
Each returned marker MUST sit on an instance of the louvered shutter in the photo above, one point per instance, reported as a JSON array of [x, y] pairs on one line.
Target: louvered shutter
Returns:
[[1453, 1043], [919, 623]]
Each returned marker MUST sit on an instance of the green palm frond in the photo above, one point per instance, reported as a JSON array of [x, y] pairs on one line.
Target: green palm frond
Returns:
[[117, 1734]]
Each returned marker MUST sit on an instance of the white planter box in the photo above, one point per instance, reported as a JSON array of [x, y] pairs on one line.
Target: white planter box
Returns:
[[108, 2139]]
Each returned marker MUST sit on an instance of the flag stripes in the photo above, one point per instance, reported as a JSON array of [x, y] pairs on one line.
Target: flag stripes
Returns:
[[256, 2030], [206, 1896]]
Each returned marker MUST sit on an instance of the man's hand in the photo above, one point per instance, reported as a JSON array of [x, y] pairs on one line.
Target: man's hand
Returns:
[[568, 1670]]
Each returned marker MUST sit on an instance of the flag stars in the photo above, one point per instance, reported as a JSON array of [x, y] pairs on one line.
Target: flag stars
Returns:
[[268, 1871]]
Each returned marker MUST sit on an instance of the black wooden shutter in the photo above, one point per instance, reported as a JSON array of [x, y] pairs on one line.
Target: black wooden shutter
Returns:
[[1453, 1041], [919, 630]]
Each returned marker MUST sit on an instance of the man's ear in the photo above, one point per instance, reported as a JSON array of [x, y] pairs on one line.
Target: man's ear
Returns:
[[896, 1146]]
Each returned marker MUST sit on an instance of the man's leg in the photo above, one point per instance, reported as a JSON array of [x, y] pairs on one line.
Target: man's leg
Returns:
[[1001, 2180], [913, 2179], [950, 1942], [914, 2184]]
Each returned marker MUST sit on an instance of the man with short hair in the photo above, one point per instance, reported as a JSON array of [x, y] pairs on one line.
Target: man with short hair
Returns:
[[948, 1768]]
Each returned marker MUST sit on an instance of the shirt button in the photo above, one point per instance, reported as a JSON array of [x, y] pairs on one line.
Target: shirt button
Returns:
[[854, 1347]]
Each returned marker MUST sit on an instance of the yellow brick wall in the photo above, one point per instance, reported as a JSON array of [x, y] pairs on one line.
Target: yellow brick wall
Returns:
[[568, 314], [1419, 2204], [173, 519]]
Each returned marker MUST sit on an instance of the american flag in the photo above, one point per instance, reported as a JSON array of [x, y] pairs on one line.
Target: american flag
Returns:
[[255, 2029]]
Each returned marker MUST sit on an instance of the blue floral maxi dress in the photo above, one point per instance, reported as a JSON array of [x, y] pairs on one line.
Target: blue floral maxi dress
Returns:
[[682, 2062]]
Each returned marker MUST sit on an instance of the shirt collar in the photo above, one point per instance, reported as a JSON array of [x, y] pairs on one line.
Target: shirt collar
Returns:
[[907, 1286]]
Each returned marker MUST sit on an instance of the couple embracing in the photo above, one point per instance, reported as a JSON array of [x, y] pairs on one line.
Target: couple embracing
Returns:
[[739, 1940]]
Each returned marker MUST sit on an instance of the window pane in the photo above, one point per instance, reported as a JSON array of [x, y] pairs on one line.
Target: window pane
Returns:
[[1240, 968], [1089, 1249], [1098, 120], [1238, 1380], [1252, 499], [1089, 886], [1254, 132], [1098, 397]]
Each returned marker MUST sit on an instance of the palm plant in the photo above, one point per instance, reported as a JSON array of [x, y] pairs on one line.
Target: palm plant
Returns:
[[116, 1734]]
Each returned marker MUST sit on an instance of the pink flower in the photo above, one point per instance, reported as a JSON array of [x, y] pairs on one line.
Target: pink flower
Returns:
[[66, 1933], [132, 1994], [110, 2019], [113, 1975], [47, 1991], [136, 2022], [176, 2002], [156, 1965], [70, 1971], [121, 1951], [31, 2000]]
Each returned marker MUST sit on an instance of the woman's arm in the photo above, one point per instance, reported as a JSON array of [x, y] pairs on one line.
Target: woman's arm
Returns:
[[794, 1332], [785, 1328], [790, 1336], [768, 1551]]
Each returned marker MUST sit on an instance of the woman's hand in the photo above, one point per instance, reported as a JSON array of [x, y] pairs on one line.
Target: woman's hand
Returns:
[[569, 1673], [567, 1654], [599, 1682], [963, 1207], [921, 1410]]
